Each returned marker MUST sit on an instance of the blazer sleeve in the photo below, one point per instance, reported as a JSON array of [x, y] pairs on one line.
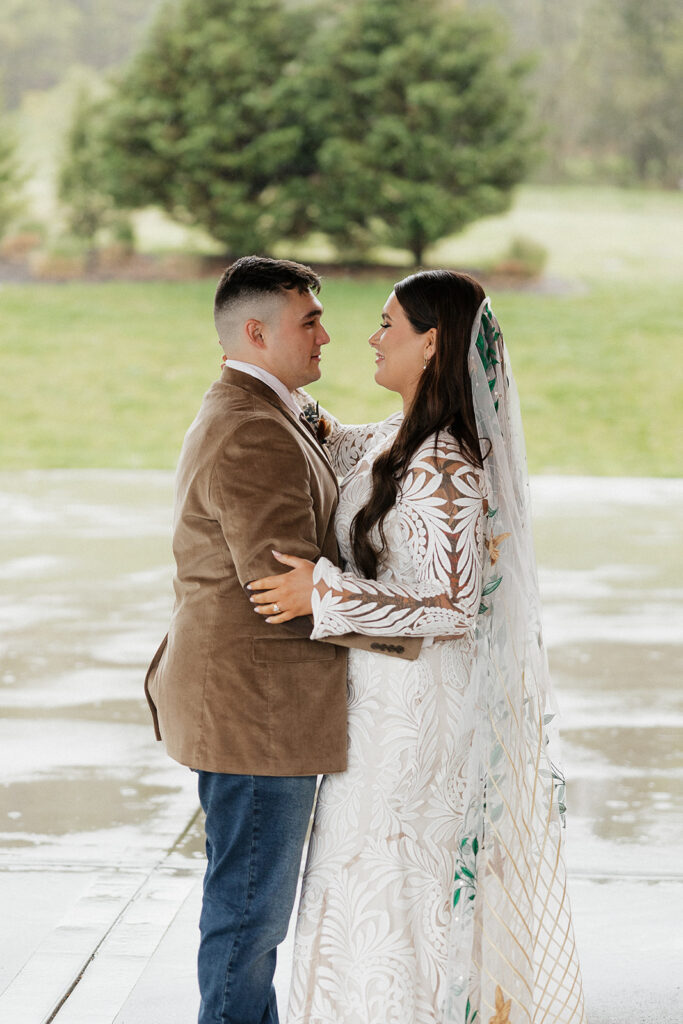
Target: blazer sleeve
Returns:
[[260, 488]]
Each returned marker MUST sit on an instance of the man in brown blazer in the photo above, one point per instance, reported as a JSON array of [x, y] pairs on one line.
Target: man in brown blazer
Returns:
[[256, 709]]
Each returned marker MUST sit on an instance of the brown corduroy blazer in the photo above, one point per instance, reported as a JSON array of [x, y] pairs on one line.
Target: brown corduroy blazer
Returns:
[[228, 691]]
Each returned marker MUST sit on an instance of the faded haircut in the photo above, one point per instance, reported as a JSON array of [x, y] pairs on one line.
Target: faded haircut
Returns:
[[253, 286]]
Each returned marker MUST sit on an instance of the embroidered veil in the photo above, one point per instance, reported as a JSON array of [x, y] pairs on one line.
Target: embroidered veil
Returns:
[[512, 956]]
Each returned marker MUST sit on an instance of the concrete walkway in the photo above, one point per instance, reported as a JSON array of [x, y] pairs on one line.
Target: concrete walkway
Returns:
[[100, 836]]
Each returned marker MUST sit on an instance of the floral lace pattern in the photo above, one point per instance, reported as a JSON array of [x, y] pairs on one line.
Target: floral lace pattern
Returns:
[[429, 582], [435, 888], [345, 444], [372, 932]]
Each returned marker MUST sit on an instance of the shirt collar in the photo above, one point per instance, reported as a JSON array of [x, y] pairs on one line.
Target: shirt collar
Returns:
[[276, 385]]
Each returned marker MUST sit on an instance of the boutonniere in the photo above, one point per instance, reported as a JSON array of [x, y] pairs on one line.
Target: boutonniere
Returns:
[[321, 427]]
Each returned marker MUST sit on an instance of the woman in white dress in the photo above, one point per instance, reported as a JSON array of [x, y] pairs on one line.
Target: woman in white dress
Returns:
[[434, 890]]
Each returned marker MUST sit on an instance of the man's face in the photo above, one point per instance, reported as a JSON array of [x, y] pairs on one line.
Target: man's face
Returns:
[[294, 338]]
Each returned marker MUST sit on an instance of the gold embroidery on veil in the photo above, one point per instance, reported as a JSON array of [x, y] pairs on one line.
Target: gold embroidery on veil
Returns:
[[493, 546], [502, 1014]]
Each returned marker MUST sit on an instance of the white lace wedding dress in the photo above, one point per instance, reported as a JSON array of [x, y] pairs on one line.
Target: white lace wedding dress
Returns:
[[372, 928]]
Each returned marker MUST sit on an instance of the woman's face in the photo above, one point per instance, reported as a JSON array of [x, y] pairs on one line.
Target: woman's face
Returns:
[[400, 352]]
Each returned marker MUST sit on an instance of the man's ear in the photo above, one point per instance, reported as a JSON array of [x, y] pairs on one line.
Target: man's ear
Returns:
[[254, 330]]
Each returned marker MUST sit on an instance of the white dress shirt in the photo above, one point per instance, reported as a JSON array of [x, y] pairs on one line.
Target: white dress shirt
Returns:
[[270, 380]]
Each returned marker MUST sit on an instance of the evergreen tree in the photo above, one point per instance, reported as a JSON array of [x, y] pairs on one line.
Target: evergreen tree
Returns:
[[199, 125], [82, 178], [420, 122]]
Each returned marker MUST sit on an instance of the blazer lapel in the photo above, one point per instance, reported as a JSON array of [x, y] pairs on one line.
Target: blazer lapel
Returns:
[[258, 387]]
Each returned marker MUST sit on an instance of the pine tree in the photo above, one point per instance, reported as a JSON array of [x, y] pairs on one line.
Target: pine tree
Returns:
[[82, 175], [199, 127], [421, 123]]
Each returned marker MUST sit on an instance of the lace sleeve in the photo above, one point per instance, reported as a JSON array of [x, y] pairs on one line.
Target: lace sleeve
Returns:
[[347, 443], [441, 512]]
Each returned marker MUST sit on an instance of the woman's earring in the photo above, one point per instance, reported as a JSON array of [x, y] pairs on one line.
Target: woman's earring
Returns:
[[425, 364]]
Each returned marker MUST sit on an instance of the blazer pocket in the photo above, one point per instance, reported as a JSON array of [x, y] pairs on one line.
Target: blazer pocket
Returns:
[[265, 649]]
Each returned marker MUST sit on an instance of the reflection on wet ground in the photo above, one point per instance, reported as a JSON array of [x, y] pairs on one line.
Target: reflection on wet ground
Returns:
[[79, 801], [85, 594], [609, 566]]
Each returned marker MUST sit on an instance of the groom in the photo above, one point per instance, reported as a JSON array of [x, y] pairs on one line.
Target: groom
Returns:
[[256, 709]]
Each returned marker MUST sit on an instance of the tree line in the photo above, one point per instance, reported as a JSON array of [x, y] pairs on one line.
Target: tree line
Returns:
[[379, 121], [608, 82], [40, 39], [374, 121], [608, 73]]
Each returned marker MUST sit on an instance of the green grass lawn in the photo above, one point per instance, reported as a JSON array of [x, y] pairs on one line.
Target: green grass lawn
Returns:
[[110, 375]]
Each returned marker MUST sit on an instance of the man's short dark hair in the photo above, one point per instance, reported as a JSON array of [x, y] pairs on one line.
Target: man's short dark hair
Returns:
[[252, 275]]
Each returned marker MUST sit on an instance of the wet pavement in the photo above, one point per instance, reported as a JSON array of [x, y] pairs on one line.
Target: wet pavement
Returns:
[[100, 835]]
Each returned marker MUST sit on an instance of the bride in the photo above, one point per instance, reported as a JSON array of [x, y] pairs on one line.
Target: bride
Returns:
[[435, 891]]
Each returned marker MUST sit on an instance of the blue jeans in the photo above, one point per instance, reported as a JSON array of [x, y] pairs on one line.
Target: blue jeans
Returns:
[[255, 832]]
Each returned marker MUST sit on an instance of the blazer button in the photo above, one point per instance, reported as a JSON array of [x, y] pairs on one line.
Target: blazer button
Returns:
[[375, 647], [400, 649]]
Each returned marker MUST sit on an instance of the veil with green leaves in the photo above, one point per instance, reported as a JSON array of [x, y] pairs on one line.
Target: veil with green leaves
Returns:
[[512, 956]]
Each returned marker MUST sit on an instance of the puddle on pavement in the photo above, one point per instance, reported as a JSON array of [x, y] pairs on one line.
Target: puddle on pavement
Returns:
[[640, 673], [628, 810], [85, 594], [77, 802], [645, 751]]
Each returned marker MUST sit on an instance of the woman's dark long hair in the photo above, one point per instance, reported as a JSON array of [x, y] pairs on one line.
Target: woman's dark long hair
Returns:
[[447, 301]]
